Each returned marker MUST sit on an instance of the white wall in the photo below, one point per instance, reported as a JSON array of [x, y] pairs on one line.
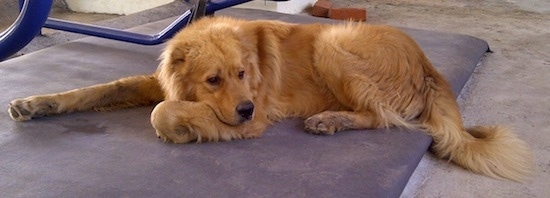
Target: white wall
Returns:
[[289, 7], [122, 7], [125, 7]]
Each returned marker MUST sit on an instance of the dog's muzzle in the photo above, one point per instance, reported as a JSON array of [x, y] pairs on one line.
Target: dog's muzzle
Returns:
[[245, 110]]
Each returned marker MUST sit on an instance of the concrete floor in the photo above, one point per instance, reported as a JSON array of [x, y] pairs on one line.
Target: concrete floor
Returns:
[[511, 87]]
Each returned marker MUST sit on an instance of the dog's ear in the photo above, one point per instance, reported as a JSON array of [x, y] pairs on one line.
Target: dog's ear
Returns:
[[175, 55], [170, 76]]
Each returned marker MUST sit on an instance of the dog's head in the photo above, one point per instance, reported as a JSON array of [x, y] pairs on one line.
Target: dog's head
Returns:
[[209, 63]]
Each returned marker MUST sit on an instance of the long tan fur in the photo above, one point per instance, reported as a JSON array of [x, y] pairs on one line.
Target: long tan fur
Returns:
[[489, 150], [222, 79]]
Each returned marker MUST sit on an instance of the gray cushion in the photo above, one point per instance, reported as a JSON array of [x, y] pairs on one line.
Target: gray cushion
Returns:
[[117, 154]]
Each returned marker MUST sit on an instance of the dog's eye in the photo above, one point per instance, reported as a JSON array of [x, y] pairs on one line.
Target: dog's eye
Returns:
[[241, 74], [215, 80]]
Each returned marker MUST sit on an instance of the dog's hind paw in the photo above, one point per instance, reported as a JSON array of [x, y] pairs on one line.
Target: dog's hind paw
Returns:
[[325, 123]]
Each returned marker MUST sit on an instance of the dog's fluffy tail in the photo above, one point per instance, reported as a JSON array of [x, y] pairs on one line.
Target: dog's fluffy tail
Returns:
[[490, 150]]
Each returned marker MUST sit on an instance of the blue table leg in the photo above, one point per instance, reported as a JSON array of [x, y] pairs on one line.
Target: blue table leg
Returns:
[[144, 39], [32, 16]]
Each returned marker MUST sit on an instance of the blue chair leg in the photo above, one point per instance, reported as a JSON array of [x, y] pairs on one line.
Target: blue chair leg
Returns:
[[32, 16]]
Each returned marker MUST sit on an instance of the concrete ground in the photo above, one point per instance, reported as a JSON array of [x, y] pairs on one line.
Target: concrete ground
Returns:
[[511, 87]]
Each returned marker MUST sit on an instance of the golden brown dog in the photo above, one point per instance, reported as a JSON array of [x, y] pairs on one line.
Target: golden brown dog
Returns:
[[222, 79]]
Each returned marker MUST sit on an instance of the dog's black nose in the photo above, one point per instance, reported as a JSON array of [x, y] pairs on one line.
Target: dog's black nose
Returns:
[[245, 110]]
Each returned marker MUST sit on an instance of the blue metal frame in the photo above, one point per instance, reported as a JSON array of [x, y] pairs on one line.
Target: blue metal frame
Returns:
[[120, 35], [143, 39], [34, 15]]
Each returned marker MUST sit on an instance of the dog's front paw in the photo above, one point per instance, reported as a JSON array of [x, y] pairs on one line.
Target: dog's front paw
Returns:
[[28, 108], [326, 123], [178, 135], [169, 126]]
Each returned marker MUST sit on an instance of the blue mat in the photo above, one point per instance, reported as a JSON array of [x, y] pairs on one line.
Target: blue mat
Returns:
[[116, 154]]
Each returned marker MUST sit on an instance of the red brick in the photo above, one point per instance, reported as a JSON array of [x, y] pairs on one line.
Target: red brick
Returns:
[[355, 14], [321, 8]]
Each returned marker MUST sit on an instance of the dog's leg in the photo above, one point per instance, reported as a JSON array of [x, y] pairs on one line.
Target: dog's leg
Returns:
[[185, 121], [126, 92], [375, 83], [368, 107]]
